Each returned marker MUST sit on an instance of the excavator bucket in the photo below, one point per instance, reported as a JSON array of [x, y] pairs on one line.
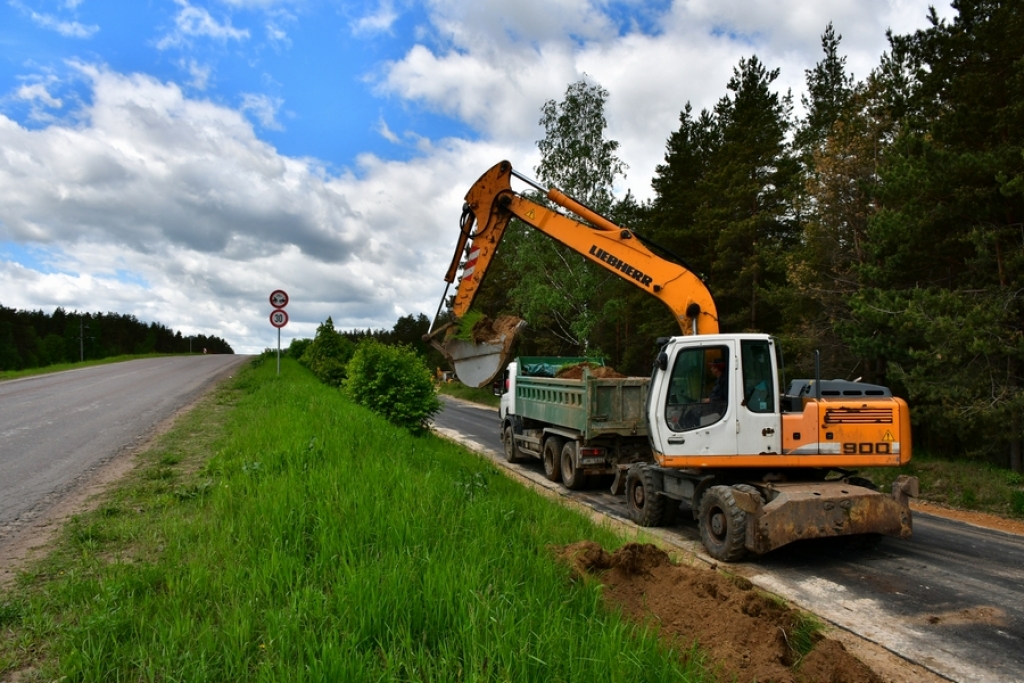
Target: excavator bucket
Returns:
[[479, 361]]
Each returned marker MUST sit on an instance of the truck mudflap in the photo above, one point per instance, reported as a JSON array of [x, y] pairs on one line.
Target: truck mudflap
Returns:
[[799, 511]]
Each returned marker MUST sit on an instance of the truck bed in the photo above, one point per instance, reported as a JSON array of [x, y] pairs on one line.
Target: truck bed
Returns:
[[592, 406]]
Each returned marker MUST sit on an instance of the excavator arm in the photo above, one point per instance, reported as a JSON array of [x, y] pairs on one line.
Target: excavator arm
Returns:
[[491, 204]]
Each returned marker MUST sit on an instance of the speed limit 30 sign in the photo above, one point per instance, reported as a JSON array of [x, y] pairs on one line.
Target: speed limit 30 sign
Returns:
[[279, 318]]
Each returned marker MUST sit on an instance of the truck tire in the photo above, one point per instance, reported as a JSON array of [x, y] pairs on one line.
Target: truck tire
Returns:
[[512, 452], [553, 458], [645, 504], [723, 526], [572, 478]]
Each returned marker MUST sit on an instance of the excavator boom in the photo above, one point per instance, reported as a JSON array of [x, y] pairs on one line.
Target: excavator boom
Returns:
[[491, 204]]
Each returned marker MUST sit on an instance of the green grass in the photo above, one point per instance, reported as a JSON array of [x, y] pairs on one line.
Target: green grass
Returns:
[[483, 396], [61, 367], [963, 484], [281, 533]]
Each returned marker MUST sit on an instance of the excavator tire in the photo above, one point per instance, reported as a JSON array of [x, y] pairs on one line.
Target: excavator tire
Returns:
[[512, 452], [553, 458], [572, 478], [723, 526], [645, 504]]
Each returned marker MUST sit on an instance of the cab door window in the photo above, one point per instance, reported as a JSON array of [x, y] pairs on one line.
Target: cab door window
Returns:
[[698, 393], [758, 381]]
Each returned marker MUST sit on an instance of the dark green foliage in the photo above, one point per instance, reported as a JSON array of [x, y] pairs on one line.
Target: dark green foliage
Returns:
[[297, 347], [942, 304], [1017, 503], [394, 382], [749, 188], [327, 355], [554, 289], [30, 339], [883, 229]]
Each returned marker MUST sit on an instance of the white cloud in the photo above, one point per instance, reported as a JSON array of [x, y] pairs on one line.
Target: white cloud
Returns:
[[36, 92], [197, 22], [493, 64], [171, 209], [68, 29], [262, 4], [264, 108], [380, 21], [386, 132], [200, 73], [277, 35]]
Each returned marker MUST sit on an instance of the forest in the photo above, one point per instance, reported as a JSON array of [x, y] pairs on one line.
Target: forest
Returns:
[[32, 339], [882, 226]]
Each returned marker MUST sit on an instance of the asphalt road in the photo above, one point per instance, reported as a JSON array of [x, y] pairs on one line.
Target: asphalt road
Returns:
[[56, 428], [950, 599]]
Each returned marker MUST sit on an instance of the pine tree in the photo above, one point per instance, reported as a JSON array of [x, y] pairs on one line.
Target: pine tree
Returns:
[[946, 247], [747, 199]]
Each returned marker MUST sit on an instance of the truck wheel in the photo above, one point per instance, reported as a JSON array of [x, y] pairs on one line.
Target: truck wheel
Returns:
[[571, 476], [552, 458], [723, 526], [646, 507], [512, 452]]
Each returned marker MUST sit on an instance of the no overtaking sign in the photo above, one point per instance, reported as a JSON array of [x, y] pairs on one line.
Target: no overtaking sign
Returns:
[[279, 298]]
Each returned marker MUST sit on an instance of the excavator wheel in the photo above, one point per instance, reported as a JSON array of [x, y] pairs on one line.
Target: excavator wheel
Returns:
[[553, 458], [512, 452], [573, 479], [644, 503], [723, 526]]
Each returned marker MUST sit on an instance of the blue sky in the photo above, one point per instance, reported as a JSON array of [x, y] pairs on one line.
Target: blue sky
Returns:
[[178, 160]]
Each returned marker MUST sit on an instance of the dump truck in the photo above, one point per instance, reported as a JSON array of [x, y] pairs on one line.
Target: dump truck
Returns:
[[758, 467], [579, 427]]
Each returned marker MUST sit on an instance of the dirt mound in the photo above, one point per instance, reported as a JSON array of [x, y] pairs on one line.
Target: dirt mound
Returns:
[[576, 371], [487, 331], [747, 635]]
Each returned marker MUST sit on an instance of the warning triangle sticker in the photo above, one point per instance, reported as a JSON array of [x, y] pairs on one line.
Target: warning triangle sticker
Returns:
[[888, 436]]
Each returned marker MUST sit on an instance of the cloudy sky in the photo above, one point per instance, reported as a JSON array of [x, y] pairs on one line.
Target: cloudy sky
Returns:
[[178, 160]]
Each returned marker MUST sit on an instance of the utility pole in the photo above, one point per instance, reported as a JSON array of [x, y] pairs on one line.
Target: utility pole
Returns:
[[82, 327]]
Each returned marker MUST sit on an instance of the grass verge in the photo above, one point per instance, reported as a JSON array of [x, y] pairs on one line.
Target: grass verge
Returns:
[[960, 484], [280, 532], [483, 396]]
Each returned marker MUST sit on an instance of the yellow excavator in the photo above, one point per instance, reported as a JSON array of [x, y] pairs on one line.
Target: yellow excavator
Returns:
[[711, 430]]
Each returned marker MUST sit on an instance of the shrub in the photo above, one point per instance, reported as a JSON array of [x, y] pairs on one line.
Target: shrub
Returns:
[[1017, 502], [327, 355], [394, 382], [297, 347]]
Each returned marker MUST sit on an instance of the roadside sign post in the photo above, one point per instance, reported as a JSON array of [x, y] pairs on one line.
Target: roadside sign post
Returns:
[[278, 318]]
